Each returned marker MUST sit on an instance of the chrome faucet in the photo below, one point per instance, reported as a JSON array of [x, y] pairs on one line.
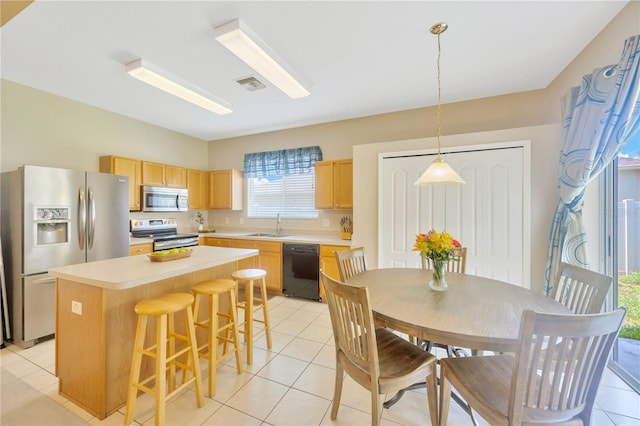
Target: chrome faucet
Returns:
[[278, 225]]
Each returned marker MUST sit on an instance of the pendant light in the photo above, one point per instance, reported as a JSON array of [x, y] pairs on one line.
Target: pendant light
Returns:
[[439, 171]]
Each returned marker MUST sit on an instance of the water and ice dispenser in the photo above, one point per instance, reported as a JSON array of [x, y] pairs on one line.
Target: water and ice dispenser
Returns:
[[52, 225]]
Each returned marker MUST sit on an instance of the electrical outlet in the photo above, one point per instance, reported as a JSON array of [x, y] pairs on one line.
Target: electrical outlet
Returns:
[[76, 307], [325, 223], [242, 221], [226, 220]]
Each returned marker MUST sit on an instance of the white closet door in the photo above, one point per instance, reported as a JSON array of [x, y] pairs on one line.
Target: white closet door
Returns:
[[485, 214]]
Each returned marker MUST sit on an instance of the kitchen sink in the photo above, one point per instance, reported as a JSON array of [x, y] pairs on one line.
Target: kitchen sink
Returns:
[[261, 234]]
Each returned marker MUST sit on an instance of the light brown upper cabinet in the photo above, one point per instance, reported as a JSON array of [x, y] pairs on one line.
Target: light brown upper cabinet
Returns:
[[156, 174], [196, 184], [334, 184], [225, 189], [127, 167]]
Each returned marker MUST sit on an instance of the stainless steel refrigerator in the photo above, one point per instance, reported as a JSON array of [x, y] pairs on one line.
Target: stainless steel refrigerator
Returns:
[[54, 217]]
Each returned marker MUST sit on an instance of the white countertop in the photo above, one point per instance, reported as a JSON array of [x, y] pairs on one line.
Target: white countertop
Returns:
[[310, 239], [132, 271], [286, 238]]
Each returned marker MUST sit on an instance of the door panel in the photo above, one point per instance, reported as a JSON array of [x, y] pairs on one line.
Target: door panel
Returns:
[[111, 224], [51, 188], [39, 306], [485, 214]]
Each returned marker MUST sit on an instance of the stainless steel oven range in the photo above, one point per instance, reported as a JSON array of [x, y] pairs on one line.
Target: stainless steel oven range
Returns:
[[164, 233]]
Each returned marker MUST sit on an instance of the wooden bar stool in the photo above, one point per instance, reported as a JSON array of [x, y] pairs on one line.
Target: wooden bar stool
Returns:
[[164, 352], [209, 350], [249, 277]]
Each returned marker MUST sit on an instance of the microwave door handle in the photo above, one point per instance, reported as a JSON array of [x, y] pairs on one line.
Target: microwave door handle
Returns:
[[177, 202], [82, 219], [92, 216]]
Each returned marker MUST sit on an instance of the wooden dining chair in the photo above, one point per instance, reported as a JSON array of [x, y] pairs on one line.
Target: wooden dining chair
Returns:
[[457, 261], [351, 262], [581, 290], [552, 378], [375, 358]]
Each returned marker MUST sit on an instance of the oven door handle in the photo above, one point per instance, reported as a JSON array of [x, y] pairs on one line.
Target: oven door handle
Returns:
[[178, 242]]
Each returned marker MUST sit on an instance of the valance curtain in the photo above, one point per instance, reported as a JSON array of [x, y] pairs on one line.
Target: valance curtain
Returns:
[[599, 118], [285, 162]]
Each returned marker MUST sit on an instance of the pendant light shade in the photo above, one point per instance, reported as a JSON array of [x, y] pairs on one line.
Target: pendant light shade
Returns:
[[439, 171]]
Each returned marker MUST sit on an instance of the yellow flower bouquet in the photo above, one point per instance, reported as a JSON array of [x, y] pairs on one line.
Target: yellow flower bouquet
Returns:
[[437, 246]]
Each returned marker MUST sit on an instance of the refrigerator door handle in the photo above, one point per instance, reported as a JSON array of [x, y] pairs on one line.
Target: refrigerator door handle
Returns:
[[92, 216], [46, 280], [82, 219]]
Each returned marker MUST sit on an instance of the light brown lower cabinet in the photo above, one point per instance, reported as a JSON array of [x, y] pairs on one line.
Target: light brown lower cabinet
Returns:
[[329, 264], [140, 249], [269, 259]]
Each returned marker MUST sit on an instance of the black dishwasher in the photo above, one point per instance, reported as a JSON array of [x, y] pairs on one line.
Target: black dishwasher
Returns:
[[300, 270]]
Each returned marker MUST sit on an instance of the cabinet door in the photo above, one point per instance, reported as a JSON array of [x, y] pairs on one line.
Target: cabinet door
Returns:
[[225, 189], [269, 259], [152, 173], [127, 167], [343, 184], [196, 187], [175, 176], [329, 264], [219, 189], [272, 263], [324, 184]]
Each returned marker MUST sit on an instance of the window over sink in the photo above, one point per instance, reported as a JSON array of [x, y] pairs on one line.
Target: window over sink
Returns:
[[282, 182]]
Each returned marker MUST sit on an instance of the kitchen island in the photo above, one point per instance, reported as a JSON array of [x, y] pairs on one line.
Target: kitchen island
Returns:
[[96, 321]]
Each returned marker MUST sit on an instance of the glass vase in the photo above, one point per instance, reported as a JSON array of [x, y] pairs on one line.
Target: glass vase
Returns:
[[438, 281]]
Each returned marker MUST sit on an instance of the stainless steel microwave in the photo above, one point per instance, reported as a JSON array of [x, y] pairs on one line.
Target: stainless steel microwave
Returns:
[[164, 199]]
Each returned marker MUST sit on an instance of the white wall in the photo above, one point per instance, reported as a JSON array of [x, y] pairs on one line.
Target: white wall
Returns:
[[544, 158]]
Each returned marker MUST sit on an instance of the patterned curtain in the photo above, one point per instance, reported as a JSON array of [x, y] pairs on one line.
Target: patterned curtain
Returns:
[[285, 162], [599, 118]]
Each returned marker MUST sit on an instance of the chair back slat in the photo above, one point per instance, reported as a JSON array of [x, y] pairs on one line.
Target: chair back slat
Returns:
[[351, 262], [352, 322], [457, 262], [559, 364], [581, 290]]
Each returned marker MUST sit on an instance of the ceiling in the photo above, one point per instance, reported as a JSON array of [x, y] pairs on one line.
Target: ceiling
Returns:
[[357, 58]]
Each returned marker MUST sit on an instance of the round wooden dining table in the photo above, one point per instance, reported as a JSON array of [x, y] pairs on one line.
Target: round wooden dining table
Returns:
[[475, 312]]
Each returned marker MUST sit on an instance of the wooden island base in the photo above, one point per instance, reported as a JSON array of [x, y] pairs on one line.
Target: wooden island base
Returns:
[[94, 348]]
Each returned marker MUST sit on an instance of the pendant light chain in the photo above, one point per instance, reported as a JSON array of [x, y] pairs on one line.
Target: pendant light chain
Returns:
[[438, 114]]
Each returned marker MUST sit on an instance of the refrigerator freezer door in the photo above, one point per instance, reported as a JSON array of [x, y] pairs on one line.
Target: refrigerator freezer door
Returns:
[[107, 216], [38, 306], [50, 189]]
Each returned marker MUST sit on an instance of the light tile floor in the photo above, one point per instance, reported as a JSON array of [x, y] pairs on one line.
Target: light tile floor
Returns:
[[291, 384]]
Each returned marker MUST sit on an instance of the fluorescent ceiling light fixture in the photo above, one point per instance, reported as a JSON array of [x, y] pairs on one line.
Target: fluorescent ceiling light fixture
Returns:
[[246, 45], [154, 76]]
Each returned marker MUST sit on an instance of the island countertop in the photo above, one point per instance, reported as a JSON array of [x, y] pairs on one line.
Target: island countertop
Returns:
[[132, 271]]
